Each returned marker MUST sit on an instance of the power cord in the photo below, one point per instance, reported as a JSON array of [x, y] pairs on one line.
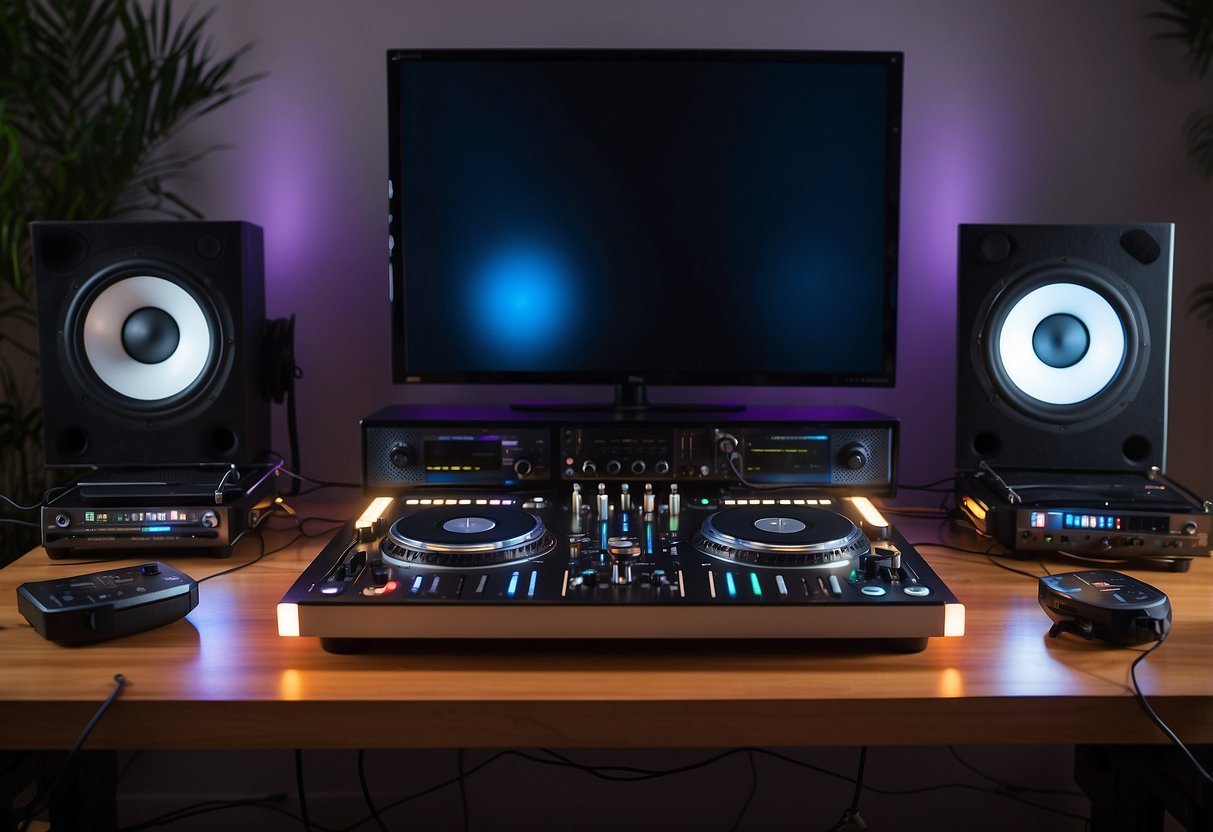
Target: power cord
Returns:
[[1154, 717], [366, 791], [851, 820], [307, 823], [43, 796]]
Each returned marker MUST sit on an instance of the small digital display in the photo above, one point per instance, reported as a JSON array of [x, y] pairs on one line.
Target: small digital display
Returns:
[[1087, 521], [460, 458], [1095, 522], [794, 458], [93, 517]]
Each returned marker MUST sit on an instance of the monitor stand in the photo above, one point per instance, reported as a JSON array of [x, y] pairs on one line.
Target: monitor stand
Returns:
[[630, 398]]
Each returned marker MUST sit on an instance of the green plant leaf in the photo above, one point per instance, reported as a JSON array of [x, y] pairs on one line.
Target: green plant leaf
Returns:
[[90, 92]]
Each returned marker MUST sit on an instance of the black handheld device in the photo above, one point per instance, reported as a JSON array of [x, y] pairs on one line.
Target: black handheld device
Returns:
[[104, 605], [1107, 605]]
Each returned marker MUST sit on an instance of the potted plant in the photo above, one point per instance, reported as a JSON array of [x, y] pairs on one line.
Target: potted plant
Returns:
[[91, 93], [1191, 23]]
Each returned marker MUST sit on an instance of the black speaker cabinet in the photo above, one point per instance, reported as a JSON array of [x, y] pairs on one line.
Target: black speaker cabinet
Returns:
[[151, 338], [1063, 337]]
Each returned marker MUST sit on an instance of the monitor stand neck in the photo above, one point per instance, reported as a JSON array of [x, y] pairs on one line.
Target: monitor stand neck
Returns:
[[630, 398]]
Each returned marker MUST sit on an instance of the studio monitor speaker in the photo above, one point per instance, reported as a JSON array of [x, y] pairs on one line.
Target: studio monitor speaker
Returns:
[[152, 339], [1063, 338]]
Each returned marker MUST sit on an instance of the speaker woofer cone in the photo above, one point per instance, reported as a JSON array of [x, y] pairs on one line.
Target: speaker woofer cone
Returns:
[[142, 338], [1083, 381]]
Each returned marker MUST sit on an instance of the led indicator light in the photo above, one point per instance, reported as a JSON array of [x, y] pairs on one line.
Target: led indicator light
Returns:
[[730, 584]]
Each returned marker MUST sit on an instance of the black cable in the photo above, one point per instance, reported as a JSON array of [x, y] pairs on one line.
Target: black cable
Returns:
[[320, 484], [260, 556], [851, 819], [366, 791], [264, 553], [598, 771], [863, 757], [925, 789], [1157, 720], [931, 486], [40, 799], [20, 507], [749, 799], [463, 791], [292, 428], [988, 554], [307, 823], [47, 495], [1010, 787], [208, 806]]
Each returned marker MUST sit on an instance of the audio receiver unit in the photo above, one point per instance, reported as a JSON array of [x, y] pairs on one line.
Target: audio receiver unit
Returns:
[[1108, 517], [204, 510], [837, 448]]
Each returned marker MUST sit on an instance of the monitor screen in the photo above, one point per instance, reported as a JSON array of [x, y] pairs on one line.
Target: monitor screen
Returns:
[[644, 217]]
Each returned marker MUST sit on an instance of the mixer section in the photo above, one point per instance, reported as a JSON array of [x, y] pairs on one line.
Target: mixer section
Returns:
[[840, 449]]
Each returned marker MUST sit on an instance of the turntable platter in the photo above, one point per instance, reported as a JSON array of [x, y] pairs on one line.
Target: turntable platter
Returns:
[[466, 536], [781, 536]]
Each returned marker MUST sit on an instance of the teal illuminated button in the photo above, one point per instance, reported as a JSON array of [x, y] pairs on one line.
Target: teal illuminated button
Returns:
[[874, 591]]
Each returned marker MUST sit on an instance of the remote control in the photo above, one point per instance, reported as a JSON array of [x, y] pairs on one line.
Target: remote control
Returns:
[[104, 605]]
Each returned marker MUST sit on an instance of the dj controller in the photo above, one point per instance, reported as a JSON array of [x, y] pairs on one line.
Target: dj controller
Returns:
[[620, 562], [491, 523]]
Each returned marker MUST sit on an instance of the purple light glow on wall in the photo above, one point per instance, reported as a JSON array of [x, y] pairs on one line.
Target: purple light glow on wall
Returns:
[[953, 174], [288, 181]]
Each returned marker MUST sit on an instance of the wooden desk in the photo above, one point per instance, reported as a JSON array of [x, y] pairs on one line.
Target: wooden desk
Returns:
[[223, 678]]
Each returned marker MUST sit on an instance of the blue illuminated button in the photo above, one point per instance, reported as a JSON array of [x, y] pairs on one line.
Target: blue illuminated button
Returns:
[[732, 586], [874, 591], [917, 590]]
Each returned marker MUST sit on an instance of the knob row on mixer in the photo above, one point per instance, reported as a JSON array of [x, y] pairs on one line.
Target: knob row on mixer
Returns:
[[614, 467]]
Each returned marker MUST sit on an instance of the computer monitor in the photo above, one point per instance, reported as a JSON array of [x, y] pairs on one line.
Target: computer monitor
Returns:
[[644, 217]]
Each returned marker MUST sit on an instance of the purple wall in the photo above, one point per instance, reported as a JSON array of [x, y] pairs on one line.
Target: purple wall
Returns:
[[1032, 111]]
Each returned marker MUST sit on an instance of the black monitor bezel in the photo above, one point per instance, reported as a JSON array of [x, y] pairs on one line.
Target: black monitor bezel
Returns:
[[885, 376]]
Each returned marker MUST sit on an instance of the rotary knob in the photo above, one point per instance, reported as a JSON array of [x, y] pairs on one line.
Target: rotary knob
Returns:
[[523, 467], [854, 456], [401, 456]]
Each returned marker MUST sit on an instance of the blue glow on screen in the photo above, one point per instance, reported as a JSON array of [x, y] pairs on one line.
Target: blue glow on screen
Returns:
[[522, 301]]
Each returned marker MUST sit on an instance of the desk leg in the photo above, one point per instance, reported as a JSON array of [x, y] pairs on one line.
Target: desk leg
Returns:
[[1132, 786], [85, 798]]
